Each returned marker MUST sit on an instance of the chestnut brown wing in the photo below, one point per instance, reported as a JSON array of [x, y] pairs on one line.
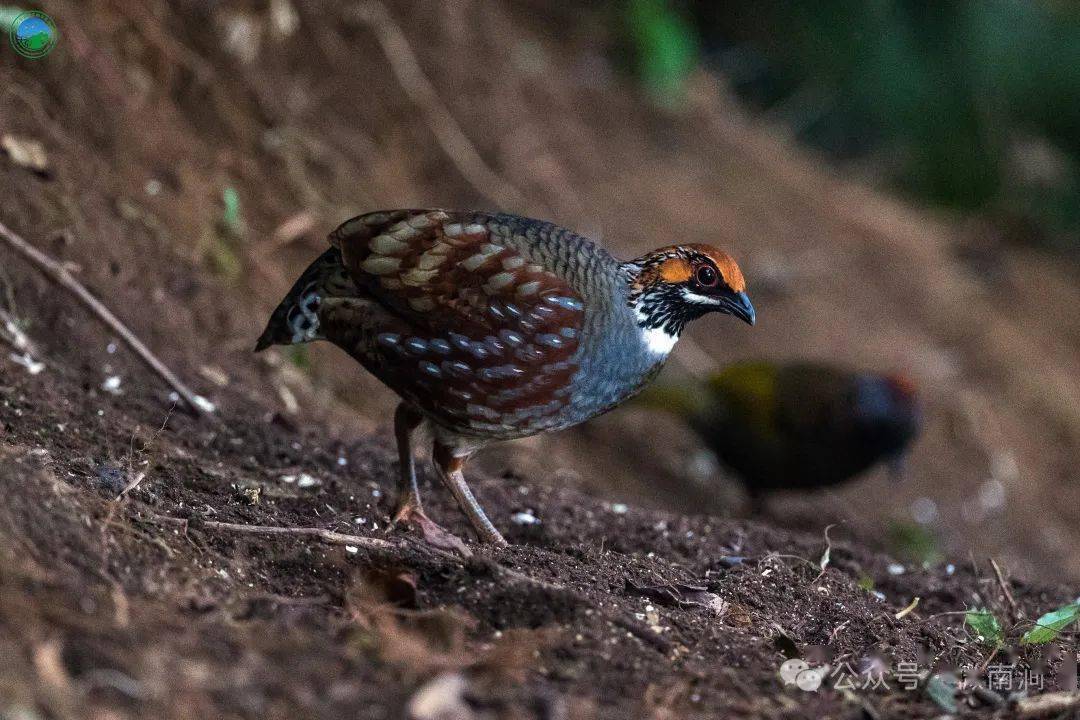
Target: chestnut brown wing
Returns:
[[494, 334]]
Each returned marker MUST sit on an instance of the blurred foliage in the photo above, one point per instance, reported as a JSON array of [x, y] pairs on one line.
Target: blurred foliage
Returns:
[[914, 543], [666, 48], [299, 356], [972, 104], [222, 244], [231, 219]]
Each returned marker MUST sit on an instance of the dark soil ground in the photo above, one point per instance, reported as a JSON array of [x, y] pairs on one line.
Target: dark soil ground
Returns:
[[169, 603], [147, 607]]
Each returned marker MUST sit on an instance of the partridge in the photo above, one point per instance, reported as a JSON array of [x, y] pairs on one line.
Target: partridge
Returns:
[[799, 425], [492, 326]]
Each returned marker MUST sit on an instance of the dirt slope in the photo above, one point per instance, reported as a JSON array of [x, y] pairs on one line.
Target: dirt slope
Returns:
[[149, 112], [150, 608]]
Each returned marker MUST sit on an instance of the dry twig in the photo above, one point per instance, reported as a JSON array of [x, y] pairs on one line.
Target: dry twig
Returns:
[[136, 478], [914, 604], [377, 545], [450, 136], [59, 274], [1013, 608]]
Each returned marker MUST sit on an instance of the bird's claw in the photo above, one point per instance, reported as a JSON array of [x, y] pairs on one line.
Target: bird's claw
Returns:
[[433, 534]]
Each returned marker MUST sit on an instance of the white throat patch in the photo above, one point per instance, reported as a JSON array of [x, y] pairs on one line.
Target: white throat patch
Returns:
[[658, 341]]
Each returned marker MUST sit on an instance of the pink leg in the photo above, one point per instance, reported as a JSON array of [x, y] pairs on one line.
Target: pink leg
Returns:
[[449, 467]]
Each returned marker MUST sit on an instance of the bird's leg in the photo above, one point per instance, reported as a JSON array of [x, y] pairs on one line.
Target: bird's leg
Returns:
[[409, 509], [406, 420], [449, 467]]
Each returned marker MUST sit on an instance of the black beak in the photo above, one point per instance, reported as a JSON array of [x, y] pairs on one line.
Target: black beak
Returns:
[[739, 305]]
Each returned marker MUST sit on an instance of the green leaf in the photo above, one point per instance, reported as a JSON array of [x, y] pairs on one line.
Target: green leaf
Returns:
[[986, 626], [1049, 625]]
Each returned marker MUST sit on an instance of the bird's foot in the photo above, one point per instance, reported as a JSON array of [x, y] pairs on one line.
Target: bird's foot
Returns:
[[433, 534]]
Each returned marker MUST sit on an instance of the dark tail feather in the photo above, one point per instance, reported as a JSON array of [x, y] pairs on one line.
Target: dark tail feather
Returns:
[[296, 319]]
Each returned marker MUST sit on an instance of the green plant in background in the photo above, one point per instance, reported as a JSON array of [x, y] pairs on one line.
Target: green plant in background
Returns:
[[914, 543], [231, 219], [299, 357], [221, 246], [666, 47], [972, 104]]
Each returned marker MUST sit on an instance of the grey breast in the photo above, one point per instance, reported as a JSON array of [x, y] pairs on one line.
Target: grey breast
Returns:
[[613, 362]]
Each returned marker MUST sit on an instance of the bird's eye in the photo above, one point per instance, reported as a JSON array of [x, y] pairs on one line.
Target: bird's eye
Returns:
[[706, 276]]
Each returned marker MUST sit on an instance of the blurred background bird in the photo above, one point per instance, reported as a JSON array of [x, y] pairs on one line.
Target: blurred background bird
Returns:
[[797, 425]]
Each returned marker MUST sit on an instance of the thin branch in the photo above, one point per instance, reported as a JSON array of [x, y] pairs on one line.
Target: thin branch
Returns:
[[1016, 614], [322, 534], [59, 274], [450, 136], [137, 478], [826, 555], [914, 604], [947, 613]]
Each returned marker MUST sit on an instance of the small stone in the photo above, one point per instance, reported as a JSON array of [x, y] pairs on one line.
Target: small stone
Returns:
[[111, 385], [524, 518]]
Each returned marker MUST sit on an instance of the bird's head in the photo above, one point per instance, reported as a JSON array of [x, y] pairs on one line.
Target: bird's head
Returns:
[[673, 285], [887, 411]]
